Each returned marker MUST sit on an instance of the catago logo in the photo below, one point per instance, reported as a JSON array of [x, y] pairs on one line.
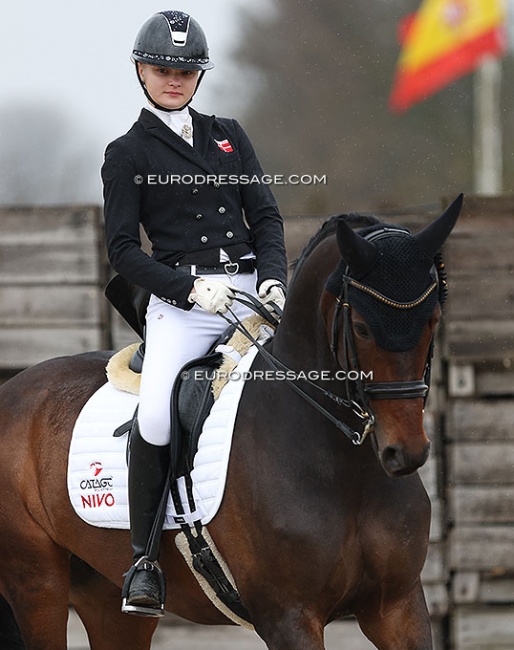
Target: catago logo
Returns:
[[98, 488], [96, 467]]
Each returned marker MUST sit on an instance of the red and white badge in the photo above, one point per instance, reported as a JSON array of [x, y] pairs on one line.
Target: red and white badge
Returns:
[[224, 145]]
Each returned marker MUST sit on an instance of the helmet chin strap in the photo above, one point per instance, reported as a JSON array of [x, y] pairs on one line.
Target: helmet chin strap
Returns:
[[163, 108]]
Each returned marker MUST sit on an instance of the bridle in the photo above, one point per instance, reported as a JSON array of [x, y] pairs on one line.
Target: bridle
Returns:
[[357, 393]]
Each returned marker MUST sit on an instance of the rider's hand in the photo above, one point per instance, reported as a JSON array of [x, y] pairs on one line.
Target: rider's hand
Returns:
[[212, 295], [272, 291]]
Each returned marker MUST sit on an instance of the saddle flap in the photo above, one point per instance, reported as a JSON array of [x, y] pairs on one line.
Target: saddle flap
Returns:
[[191, 402]]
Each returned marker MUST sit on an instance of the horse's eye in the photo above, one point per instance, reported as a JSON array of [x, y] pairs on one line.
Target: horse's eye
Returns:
[[362, 330]]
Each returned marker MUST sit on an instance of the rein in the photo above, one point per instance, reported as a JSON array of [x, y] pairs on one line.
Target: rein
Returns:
[[356, 437]]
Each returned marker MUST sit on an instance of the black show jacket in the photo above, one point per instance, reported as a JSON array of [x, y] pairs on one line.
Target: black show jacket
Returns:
[[153, 177]]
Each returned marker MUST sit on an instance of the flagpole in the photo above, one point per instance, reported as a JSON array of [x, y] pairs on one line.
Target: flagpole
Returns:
[[487, 135]]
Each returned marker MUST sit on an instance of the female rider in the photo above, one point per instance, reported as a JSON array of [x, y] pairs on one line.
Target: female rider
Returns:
[[184, 177]]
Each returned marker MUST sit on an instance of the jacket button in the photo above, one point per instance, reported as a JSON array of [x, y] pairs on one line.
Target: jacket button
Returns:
[[199, 216], [173, 302], [216, 184], [204, 239], [222, 210], [230, 234], [194, 190]]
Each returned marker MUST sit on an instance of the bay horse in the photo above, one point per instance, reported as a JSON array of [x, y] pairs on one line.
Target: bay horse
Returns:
[[312, 526]]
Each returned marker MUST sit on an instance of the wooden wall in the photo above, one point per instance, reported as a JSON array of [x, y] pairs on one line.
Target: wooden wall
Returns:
[[52, 274], [478, 432]]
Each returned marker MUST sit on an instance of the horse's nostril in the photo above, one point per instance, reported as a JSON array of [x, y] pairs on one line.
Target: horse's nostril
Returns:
[[397, 461], [393, 459]]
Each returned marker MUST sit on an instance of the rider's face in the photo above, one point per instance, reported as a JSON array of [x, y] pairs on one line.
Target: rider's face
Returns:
[[168, 87]]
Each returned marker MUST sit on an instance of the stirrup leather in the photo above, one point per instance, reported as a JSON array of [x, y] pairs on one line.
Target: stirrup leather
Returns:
[[143, 610]]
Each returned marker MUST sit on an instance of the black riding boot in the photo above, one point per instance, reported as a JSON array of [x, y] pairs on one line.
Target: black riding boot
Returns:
[[144, 588]]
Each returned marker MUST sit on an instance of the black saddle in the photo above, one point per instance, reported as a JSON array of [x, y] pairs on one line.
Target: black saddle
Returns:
[[190, 404]]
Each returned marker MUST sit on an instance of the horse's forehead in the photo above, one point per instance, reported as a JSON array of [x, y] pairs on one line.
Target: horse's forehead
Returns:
[[399, 261], [401, 272], [401, 249]]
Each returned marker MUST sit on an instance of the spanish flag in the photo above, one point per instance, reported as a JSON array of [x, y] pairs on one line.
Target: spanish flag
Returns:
[[443, 41]]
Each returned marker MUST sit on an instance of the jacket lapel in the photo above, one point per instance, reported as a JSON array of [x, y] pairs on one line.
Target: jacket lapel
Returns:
[[202, 126], [202, 129]]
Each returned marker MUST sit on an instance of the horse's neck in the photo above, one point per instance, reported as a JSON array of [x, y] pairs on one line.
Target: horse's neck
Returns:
[[302, 344], [301, 335], [301, 339]]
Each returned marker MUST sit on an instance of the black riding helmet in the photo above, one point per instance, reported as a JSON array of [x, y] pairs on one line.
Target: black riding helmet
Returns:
[[171, 39]]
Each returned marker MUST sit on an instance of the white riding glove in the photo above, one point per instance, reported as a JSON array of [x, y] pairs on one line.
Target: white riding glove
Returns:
[[212, 295], [272, 291]]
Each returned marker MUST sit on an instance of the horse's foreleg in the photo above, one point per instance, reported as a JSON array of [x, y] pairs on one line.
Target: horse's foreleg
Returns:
[[295, 630], [10, 635], [35, 575], [400, 625], [98, 604]]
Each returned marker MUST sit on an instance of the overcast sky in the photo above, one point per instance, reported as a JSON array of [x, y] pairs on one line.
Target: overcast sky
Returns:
[[75, 56]]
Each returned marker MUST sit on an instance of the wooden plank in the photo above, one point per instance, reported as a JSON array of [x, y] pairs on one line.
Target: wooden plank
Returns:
[[436, 523], [50, 225], [68, 263], [434, 570], [439, 634], [489, 297], [482, 463], [465, 587], [50, 306], [496, 590], [478, 340], [481, 548], [483, 628], [480, 420], [468, 256], [481, 505], [21, 347], [437, 599], [429, 473], [495, 379]]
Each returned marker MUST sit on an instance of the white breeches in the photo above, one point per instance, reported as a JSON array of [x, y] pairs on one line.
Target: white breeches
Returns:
[[173, 337]]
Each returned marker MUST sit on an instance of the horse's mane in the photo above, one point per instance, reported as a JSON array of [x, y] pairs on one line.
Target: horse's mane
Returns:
[[356, 220]]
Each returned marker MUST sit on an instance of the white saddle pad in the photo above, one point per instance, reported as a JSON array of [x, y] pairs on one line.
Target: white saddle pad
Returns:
[[97, 468]]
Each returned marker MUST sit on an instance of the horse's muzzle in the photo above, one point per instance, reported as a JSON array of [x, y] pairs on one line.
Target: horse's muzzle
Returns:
[[398, 462]]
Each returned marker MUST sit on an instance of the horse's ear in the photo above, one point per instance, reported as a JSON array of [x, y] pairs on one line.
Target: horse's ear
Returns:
[[432, 238], [358, 253]]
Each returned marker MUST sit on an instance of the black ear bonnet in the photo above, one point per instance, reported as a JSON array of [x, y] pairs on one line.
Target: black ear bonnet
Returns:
[[401, 272]]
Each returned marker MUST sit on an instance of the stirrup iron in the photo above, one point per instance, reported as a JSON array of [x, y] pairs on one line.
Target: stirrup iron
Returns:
[[143, 610]]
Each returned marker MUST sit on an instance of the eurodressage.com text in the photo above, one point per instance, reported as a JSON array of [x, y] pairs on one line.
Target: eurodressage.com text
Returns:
[[277, 375], [230, 179]]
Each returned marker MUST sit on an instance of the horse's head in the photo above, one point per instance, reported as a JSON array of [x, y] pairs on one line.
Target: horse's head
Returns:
[[380, 308]]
